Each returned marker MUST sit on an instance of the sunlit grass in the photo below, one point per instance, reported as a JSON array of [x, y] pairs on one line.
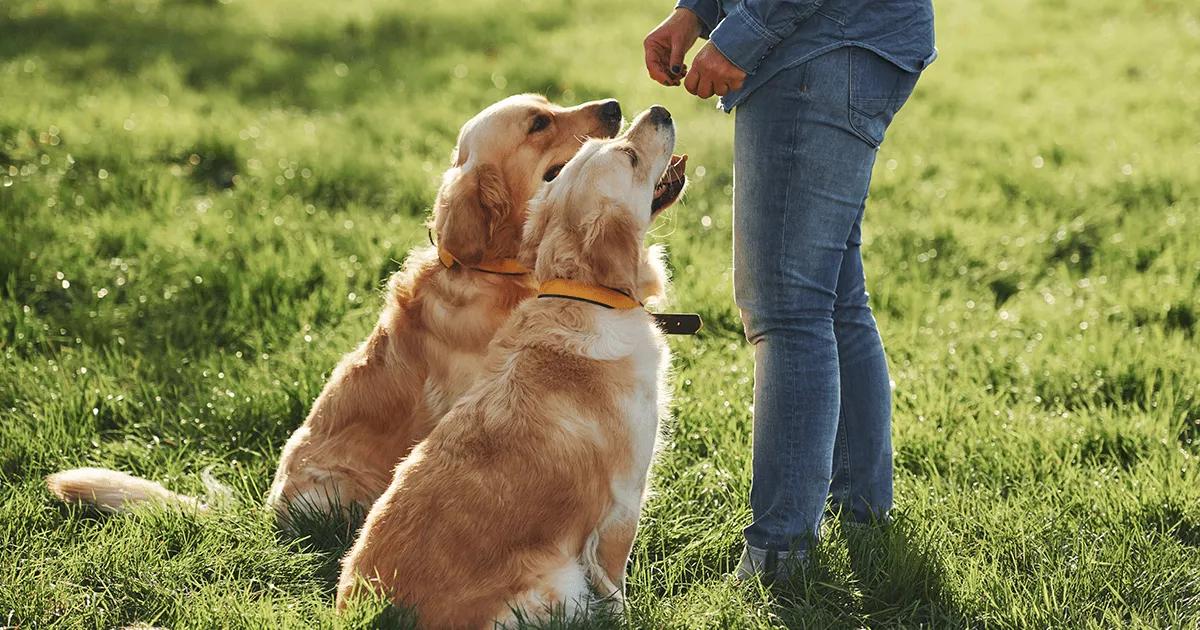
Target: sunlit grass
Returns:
[[199, 201]]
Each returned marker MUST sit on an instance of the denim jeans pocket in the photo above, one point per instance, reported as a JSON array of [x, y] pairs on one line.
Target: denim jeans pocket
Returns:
[[878, 89]]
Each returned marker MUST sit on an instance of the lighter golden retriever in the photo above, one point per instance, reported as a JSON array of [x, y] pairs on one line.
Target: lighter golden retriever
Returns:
[[441, 311], [526, 496]]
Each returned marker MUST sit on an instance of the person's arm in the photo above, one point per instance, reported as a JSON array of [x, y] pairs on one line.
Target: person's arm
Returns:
[[748, 34], [738, 42], [709, 12]]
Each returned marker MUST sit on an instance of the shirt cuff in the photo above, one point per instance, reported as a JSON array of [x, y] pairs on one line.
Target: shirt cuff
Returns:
[[743, 39], [709, 12]]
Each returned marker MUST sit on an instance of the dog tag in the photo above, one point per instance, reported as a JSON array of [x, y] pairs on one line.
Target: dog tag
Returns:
[[679, 323]]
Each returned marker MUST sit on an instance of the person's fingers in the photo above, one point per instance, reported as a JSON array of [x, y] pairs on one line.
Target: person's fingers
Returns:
[[692, 81], [677, 79], [705, 90], [736, 84], [654, 67], [656, 59], [678, 50], [720, 88]]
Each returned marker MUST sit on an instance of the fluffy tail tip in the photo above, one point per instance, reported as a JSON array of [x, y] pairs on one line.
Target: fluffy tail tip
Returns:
[[112, 491]]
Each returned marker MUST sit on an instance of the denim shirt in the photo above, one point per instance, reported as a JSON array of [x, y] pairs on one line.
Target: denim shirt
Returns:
[[763, 37]]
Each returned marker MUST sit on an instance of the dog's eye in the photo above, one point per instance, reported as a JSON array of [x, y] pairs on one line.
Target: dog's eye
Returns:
[[540, 122]]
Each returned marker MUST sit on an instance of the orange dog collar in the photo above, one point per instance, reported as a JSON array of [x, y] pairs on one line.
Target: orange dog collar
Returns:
[[669, 323], [584, 292], [504, 266]]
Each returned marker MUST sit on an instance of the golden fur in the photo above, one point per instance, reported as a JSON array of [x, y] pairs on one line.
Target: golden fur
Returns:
[[424, 353], [529, 490], [427, 347]]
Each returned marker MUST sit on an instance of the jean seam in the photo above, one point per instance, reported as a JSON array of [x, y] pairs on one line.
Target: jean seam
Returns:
[[844, 455], [793, 503], [787, 191]]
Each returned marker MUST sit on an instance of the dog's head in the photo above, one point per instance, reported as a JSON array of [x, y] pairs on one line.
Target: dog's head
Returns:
[[589, 223], [502, 157]]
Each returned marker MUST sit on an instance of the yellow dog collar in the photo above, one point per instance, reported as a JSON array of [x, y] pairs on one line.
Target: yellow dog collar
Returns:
[[504, 266], [669, 323], [584, 292]]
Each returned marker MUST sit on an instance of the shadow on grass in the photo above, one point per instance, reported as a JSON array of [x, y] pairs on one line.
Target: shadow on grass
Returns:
[[894, 580], [325, 537], [325, 533]]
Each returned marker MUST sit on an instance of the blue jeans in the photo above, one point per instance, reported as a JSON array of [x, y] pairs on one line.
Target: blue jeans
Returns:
[[805, 144]]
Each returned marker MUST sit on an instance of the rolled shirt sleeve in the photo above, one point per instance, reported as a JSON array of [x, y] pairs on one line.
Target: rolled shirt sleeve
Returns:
[[747, 35], [709, 12]]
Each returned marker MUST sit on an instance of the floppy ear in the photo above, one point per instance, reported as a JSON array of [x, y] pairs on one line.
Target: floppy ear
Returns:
[[472, 205], [612, 250]]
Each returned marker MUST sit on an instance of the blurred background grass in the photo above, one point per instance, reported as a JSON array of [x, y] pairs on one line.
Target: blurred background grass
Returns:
[[199, 201]]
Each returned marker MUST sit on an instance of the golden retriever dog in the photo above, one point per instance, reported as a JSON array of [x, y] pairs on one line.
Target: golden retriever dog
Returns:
[[441, 311], [526, 496]]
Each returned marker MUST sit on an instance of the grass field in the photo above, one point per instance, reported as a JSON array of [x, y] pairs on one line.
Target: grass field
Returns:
[[199, 201]]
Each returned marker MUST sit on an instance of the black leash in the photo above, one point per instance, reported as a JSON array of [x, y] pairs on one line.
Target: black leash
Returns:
[[679, 323]]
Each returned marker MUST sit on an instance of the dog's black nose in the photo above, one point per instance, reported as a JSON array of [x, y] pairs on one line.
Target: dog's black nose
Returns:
[[610, 110], [660, 115]]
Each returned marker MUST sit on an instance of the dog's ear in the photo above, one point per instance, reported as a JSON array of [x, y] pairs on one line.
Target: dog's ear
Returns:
[[472, 205], [612, 249]]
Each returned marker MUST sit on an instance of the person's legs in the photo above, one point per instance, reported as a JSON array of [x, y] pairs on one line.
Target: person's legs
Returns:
[[800, 179], [862, 466], [802, 167]]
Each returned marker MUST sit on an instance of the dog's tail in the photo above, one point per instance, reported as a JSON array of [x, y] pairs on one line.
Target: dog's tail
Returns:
[[112, 491]]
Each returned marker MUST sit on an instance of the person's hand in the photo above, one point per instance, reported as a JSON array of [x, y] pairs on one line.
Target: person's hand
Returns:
[[712, 73], [668, 43]]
